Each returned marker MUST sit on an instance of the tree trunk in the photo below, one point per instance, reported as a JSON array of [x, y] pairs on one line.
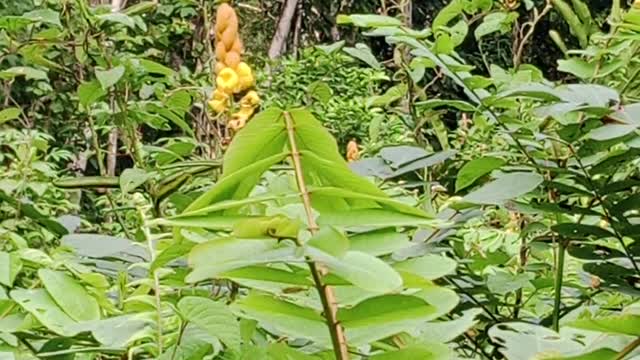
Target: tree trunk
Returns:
[[284, 27]]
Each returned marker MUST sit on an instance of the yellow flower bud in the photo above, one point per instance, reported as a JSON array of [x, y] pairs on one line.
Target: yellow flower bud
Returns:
[[251, 99], [227, 80], [218, 106], [245, 74], [220, 95]]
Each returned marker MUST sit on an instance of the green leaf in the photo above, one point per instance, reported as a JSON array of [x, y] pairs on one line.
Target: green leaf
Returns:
[[213, 316], [118, 18], [578, 67], [263, 137], [445, 331], [331, 241], [174, 251], [437, 103], [270, 274], [284, 317], [153, 67], [572, 231], [277, 227], [237, 185], [70, 295], [475, 169], [427, 351], [363, 52], [390, 96], [9, 114], [447, 14], [28, 72], [368, 20], [115, 332], [321, 91], [231, 253], [527, 341], [41, 306], [10, 266], [362, 270], [90, 92], [379, 242], [505, 187], [627, 324], [611, 131], [47, 16], [131, 178], [430, 267], [371, 217], [495, 22], [503, 282], [383, 316], [108, 78]]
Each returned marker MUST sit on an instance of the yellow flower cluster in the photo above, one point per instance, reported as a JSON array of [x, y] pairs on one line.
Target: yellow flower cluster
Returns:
[[233, 75]]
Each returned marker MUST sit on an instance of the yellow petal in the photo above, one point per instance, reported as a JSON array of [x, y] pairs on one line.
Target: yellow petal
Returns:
[[227, 80], [218, 106], [250, 99]]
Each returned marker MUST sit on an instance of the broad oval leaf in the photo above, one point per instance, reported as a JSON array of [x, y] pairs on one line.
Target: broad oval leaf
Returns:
[[475, 169], [505, 187], [70, 295], [214, 317]]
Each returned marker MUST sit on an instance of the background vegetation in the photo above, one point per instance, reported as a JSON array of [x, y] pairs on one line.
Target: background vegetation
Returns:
[[422, 180]]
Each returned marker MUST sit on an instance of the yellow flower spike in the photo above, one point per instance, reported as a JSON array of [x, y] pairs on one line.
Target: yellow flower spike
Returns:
[[227, 80], [245, 74], [251, 99]]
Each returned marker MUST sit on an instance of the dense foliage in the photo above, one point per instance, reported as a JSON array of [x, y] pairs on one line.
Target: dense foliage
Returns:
[[451, 180]]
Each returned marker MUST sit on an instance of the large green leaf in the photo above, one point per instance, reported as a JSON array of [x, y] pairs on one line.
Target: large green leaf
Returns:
[[427, 351], [505, 187], [90, 92], [10, 266], [380, 317], [379, 242], [110, 77], [214, 257], [330, 240], [9, 114], [264, 136], [363, 52], [368, 20], [39, 304], [237, 185], [430, 267], [628, 324], [528, 341], [70, 295], [117, 331], [284, 317], [371, 217], [312, 137], [475, 169], [445, 331], [213, 316], [362, 270]]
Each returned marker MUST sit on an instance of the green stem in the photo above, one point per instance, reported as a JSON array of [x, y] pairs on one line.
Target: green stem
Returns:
[[562, 245]]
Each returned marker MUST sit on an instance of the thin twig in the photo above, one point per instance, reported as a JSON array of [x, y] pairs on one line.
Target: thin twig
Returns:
[[327, 296], [628, 349]]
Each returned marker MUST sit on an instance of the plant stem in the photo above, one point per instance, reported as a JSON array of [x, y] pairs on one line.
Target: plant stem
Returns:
[[562, 245], [156, 280], [628, 349], [325, 292]]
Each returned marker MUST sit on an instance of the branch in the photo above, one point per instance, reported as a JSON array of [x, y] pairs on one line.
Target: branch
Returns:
[[284, 27], [327, 296]]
